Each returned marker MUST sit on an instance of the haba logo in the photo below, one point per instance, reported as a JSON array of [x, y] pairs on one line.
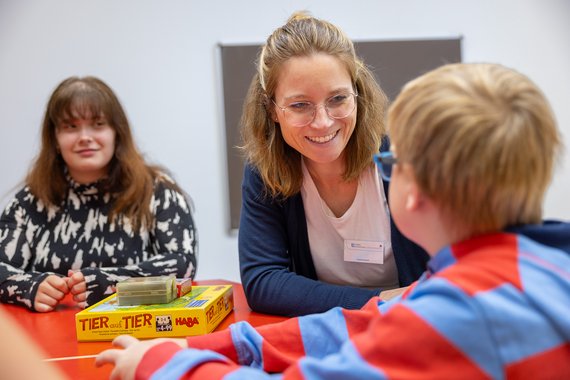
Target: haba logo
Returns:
[[163, 323], [189, 322]]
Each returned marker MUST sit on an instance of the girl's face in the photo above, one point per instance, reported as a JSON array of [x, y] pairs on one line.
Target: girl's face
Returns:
[[317, 79], [87, 147]]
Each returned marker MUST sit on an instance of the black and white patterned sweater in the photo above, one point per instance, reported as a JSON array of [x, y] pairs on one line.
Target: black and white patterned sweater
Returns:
[[36, 241]]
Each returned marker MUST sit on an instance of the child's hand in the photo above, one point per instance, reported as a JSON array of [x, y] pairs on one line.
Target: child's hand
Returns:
[[127, 359], [77, 287], [50, 292]]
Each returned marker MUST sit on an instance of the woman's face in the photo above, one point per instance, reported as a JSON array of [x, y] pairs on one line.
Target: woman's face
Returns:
[[315, 79], [87, 146]]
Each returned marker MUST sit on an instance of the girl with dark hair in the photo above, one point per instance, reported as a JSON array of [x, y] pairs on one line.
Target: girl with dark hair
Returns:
[[92, 211]]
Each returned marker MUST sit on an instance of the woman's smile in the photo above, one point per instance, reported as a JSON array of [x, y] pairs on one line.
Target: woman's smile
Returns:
[[322, 139]]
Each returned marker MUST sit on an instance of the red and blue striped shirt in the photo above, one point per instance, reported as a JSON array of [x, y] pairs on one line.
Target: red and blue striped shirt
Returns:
[[496, 306]]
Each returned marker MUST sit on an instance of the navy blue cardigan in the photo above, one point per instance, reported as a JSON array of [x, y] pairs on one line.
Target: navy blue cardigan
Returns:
[[276, 266]]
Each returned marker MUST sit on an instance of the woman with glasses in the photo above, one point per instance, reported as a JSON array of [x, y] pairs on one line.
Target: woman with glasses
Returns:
[[315, 229], [92, 211]]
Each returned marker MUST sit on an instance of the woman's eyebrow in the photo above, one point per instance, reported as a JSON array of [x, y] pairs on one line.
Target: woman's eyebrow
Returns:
[[337, 90]]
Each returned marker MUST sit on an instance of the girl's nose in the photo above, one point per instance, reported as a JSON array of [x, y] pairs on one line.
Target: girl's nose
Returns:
[[85, 133]]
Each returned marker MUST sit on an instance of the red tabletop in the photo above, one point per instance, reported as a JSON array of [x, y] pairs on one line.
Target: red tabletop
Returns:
[[55, 333]]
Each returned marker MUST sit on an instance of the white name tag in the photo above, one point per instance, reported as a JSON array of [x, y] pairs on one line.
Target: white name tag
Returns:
[[362, 251]]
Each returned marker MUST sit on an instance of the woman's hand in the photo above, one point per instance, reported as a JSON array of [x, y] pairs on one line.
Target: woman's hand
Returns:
[[387, 295], [127, 358], [50, 292]]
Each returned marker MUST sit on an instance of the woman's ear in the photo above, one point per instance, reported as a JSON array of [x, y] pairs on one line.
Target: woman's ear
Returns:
[[270, 107], [273, 114]]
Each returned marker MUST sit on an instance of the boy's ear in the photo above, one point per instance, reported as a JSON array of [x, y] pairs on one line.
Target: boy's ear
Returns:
[[414, 197]]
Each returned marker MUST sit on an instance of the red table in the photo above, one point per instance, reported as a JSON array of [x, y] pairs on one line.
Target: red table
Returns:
[[54, 332]]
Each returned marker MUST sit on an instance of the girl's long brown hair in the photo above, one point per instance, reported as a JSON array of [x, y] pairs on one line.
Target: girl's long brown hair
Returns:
[[130, 180]]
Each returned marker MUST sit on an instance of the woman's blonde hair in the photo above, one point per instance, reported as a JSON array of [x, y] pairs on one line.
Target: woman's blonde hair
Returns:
[[264, 146], [482, 142], [130, 180]]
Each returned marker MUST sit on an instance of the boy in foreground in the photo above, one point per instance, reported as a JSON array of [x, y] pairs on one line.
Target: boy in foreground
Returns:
[[474, 148]]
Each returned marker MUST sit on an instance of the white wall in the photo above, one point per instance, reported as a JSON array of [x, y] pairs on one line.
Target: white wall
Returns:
[[161, 59]]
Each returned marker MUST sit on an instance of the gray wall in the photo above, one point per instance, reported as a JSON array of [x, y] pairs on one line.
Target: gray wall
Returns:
[[162, 59]]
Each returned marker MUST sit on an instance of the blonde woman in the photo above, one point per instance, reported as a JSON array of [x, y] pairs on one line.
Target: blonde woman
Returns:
[[315, 229]]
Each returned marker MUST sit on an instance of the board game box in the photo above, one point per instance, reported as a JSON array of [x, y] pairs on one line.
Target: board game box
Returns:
[[195, 313]]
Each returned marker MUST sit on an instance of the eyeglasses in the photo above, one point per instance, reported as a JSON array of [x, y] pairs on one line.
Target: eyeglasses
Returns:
[[385, 161], [300, 114]]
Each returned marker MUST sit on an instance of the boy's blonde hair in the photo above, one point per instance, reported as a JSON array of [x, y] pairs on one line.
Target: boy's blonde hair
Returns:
[[482, 142]]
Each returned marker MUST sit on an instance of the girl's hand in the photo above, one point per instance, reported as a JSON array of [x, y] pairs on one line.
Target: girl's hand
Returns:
[[77, 287], [50, 292]]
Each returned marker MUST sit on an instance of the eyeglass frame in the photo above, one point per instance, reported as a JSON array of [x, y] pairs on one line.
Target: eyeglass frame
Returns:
[[283, 109], [385, 162]]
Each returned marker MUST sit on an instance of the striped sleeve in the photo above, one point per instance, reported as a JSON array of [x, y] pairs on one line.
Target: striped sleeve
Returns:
[[274, 347], [322, 346], [268, 349]]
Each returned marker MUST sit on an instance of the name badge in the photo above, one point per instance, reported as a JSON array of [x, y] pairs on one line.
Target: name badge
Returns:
[[362, 251]]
